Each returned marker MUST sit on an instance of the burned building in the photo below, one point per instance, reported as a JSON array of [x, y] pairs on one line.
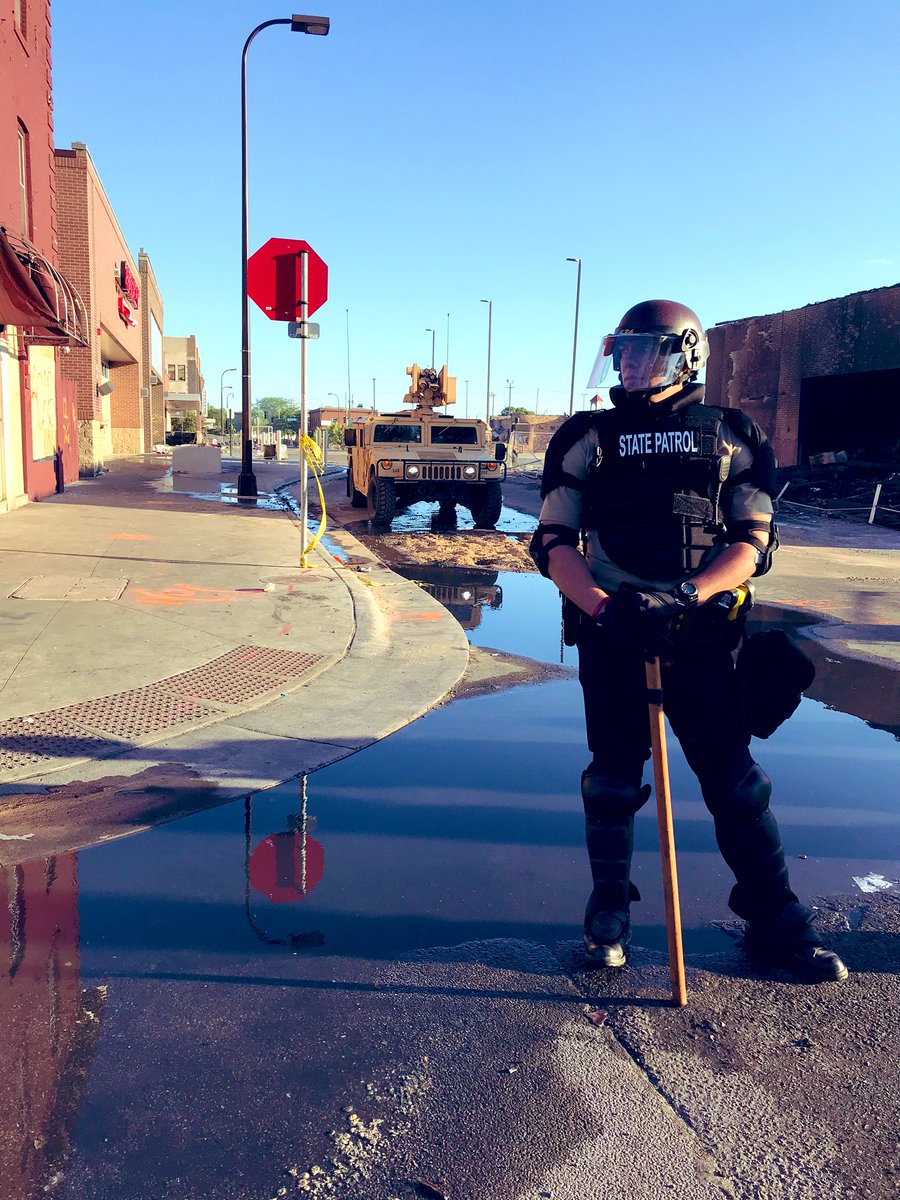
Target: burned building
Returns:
[[821, 378]]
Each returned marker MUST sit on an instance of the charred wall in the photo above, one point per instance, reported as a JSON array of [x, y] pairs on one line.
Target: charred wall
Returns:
[[764, 365]]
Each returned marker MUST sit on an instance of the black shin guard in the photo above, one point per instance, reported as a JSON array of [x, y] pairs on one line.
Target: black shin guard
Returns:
[[609, 808], [750, 843]]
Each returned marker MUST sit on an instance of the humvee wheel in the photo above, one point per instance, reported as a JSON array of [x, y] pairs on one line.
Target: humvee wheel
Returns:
[[357, 499], [381, 501], [486, 503]]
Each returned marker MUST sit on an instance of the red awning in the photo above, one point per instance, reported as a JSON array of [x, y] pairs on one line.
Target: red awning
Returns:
[[37, 297]]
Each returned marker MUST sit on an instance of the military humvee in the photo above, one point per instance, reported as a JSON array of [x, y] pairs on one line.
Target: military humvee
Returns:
[[395, 459]]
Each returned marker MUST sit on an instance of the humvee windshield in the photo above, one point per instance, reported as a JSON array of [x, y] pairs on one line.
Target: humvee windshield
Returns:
[[397, 433], [454, 435]]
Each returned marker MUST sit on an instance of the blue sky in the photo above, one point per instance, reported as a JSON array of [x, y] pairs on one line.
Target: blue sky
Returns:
[[740, 158]]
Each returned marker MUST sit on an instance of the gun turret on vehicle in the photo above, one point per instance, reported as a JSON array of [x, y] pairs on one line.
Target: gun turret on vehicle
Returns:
[[395, 459]]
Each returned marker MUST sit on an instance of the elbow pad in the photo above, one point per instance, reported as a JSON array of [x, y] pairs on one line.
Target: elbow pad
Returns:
[[749, 531], [560, 535]]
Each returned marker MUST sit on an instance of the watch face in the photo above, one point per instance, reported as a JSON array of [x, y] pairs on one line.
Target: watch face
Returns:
[[688, 590]]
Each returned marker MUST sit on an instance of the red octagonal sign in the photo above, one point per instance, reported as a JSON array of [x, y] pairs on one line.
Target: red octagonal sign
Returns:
[[273, 279]]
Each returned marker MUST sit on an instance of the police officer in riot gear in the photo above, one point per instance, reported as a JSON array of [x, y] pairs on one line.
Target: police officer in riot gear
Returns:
[[672, 503]]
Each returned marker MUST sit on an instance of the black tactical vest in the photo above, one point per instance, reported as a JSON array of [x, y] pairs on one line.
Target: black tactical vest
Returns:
[[653, 491]]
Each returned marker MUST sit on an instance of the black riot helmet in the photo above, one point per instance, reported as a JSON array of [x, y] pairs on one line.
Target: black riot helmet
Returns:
[[656, 345]]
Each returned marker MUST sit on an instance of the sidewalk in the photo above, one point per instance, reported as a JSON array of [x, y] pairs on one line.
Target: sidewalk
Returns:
[[163, 651]]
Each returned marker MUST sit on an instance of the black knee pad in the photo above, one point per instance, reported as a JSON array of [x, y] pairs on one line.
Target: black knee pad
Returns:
[[746, 801], [610, 798]]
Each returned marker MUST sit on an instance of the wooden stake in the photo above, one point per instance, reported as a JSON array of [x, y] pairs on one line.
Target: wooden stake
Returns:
[[666, 832]]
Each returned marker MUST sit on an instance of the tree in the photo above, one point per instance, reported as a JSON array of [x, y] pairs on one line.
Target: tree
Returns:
[[276, 411], [514, 410]]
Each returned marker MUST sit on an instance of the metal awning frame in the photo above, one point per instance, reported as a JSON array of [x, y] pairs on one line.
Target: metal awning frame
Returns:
[[60, 294]]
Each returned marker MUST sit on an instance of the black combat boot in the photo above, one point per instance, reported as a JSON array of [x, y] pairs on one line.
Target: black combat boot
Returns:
[[606, 937], [609, 808], [788, 940]]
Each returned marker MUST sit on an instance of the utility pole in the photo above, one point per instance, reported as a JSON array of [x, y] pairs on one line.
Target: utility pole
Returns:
[[509, 388]]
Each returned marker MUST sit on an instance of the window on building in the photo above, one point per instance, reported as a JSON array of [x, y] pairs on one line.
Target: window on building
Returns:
[[182, 373], [170, 371], [20, 13], [24, 183]]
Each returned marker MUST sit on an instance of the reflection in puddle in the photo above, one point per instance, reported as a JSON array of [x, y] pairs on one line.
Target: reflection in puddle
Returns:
[[48, 1025], [206, 488], [428, 516], [220, 933]]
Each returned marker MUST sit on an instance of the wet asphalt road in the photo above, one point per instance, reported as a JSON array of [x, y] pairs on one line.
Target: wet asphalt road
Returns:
[[418, 1013]]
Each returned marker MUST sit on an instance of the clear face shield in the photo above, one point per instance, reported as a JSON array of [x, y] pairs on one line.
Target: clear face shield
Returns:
[[644, 361]]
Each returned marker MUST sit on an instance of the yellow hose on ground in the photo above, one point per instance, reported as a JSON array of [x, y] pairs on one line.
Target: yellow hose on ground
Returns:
[[311, 449]]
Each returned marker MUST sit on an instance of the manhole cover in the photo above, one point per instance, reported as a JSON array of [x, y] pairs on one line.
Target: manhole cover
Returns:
[[64, 587]]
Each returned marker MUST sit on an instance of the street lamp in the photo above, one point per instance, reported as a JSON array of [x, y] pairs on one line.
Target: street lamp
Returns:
[[246, 488], [467, 397], [509, 385], [431, 331], [490, 305], [575, 340], [227, 371]]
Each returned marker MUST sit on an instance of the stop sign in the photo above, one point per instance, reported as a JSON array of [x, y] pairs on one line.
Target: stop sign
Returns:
[[273, 279], [285, 866]]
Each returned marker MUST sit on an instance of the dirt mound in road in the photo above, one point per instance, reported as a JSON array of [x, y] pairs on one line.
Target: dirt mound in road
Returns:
[[485, 548]]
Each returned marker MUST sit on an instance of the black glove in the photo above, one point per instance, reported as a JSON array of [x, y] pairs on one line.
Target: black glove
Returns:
[[642, 619]]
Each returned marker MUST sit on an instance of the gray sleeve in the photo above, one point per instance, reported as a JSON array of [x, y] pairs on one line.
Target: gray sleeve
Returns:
[[563, 506], [744, 500]]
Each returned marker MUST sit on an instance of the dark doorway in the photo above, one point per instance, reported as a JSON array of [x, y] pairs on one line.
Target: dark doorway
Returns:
[[858, 413]]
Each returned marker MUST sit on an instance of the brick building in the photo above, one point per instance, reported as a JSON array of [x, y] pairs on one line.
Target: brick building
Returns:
[[110, 374], [153, 370], [42, 317], [820, 378], [332, 415]]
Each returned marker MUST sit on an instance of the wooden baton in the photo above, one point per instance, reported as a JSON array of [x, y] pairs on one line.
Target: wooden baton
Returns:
[[666, 832]]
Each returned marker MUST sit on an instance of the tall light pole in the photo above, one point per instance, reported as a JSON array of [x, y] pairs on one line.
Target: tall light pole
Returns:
[[509, 385], [349, 393], [575, 340], [490, 305], [447, 359], [431, 331], [246, 488], [227, 371], [467, 397]]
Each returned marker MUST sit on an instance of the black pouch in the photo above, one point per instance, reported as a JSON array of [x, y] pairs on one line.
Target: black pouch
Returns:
[[772, 674], [572, 616]]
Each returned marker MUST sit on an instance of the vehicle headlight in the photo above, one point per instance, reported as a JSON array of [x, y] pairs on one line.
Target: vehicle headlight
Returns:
[[470, 472], [412, 471]]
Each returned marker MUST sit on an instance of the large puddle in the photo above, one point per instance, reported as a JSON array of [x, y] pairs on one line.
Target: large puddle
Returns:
[[465, 825]]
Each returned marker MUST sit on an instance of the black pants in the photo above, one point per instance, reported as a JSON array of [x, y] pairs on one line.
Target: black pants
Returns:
[[701, 703]]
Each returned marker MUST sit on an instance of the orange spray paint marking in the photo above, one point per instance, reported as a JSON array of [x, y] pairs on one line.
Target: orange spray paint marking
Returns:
[[186, 593], [425, 616], [285, 630], [131, 537]]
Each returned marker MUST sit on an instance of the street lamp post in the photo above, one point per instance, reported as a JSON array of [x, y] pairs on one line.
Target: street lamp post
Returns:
[[246, 488], [349, 393], [467, 397], [431, 331], [575, 340], [509, 386], [490, 305], [227, 371]]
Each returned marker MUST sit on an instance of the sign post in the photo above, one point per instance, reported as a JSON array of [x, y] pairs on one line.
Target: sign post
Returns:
[[304, 418]]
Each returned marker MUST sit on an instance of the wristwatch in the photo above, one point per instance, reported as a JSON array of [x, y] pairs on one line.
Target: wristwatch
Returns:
[[687, 593]]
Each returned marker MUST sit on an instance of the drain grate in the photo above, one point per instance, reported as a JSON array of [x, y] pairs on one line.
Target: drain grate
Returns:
[[28, 740], [280, 664], [229, 685], [133, 714]]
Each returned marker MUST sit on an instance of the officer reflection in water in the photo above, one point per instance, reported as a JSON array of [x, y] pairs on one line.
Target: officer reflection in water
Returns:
[[672, 503]]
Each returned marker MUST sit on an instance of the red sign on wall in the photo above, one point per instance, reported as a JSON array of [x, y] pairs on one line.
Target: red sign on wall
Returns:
[[129, 285]]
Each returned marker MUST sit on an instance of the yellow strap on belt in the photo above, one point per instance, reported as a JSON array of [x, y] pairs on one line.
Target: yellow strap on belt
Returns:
[[310, 447]]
